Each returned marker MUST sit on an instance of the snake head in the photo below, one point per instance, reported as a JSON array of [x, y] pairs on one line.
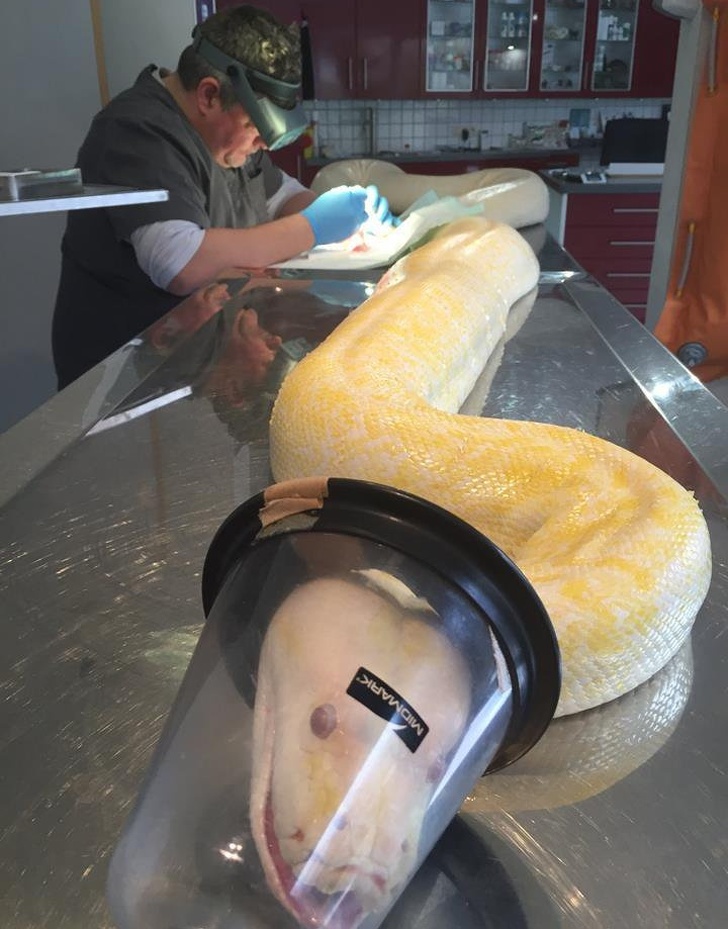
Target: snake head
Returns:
[[339, 796]]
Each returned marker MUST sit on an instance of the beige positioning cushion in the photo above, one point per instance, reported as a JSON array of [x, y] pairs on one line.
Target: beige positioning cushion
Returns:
[[509, 195]]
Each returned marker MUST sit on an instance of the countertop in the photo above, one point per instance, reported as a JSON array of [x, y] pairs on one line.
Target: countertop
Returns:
[[558, 180], [621, 820], [495, 155]]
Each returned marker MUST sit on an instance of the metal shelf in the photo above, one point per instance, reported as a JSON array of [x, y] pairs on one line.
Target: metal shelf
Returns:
[[90, 197]]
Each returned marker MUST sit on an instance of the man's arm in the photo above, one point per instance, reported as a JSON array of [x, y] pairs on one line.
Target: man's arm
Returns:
[[288, 197], [255, 247], [331, 217], [296, 203]]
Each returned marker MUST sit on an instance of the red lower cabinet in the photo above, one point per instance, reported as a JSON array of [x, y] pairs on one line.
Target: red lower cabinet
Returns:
[[612, 236]]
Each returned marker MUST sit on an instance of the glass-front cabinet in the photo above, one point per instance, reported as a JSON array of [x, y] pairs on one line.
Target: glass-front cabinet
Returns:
[[548, 47], [450, 46], [615, 42], [569, 64], [562, 54], [508, 46]]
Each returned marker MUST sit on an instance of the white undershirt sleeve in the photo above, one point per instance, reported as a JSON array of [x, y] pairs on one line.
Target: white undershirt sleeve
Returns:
[[289, 188], [163, 249]]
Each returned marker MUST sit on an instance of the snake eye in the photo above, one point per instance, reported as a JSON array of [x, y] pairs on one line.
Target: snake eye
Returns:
[[323, 720]]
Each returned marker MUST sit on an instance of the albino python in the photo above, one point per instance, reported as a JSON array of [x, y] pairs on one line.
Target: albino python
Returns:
[[617, 550], [509, 195], [337, 800]]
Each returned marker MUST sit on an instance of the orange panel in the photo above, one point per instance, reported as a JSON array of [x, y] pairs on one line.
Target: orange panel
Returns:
[[696, 309]]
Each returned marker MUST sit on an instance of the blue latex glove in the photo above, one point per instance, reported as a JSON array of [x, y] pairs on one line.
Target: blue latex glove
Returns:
[[336, 214], [378, 207]]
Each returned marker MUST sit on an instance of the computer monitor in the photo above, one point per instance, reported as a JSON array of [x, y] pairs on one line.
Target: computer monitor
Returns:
[[634, 140]]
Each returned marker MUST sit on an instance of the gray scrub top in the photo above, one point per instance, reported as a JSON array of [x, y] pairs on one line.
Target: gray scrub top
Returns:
[[141, 139]]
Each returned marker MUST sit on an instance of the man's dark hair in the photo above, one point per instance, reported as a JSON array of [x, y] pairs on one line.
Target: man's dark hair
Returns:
[[251, 36]]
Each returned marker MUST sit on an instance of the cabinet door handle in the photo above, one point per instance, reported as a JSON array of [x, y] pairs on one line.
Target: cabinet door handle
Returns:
[[476, 75], [585, 79], [631, 242], [365, 72], [630, 209], [351, 73]]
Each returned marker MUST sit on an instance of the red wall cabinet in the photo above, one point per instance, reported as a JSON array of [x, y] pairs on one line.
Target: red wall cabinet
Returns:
[[463, 49], [389, 48], [604, 48], [548, 48], [361, 49], [655, 54], [478, 48]]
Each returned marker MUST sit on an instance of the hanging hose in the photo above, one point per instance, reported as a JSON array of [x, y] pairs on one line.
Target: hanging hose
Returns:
[[713, 52], [686, 260]]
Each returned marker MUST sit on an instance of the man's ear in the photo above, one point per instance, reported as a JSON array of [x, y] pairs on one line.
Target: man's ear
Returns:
[[207, 94], [237, 394]]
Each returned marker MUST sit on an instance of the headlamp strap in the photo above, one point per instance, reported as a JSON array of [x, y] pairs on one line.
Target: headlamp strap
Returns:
[[282, 93]]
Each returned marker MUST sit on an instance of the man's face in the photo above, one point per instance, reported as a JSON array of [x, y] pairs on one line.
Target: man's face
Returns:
[[244, 363], [232, 136]]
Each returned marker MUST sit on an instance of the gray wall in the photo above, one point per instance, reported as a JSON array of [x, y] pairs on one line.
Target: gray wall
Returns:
[[167, 28], [51, 92], [48, 72]]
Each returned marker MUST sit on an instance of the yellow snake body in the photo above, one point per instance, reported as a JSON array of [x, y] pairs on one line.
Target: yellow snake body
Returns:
[[617, 550]]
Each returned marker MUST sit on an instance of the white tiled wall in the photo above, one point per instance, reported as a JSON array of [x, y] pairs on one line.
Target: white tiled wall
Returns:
[[423, 125]]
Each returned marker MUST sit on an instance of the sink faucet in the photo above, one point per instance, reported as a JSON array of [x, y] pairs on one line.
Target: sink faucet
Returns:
[[365, 118], [369, 125]]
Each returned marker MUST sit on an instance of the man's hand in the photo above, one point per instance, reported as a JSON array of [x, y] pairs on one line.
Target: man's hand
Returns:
[[337, 214], [377, 207]]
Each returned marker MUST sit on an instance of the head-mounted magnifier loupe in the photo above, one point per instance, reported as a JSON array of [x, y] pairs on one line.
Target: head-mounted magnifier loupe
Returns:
[[273, 105]]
